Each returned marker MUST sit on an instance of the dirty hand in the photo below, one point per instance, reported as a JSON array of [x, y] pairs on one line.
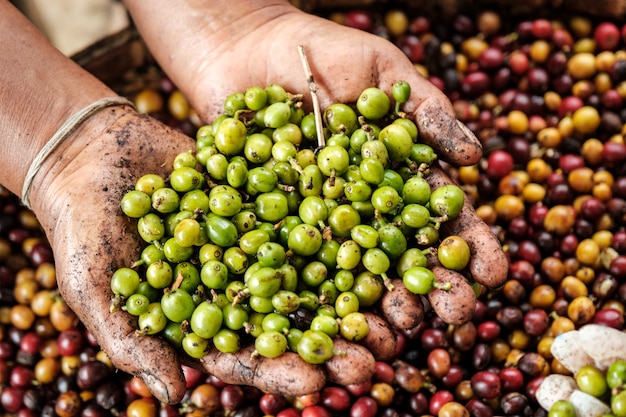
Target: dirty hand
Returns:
[[77, 201], [214, 49], [110, 152]]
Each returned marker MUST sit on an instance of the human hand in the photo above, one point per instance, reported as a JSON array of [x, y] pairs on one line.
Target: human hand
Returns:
[[211, 52], [76, 197], [257, 44], [77, 250], [83, 182]]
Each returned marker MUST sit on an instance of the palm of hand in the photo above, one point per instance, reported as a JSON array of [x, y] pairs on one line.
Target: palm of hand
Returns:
[[91, 238], [343, 60]]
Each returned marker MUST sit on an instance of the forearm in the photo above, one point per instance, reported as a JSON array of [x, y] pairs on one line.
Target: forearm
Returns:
[[193, 39], [40, 89]]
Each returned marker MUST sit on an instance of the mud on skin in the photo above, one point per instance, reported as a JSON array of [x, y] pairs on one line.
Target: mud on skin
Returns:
[[454, 143], [100, 176]]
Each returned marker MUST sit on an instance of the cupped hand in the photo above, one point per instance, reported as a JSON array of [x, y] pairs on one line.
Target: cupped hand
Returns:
[[76, 197], [215, 57], [100, 164]]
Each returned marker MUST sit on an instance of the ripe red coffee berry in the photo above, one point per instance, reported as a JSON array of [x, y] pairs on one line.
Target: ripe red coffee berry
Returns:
[[614, 152], [70, 342], [315, 411], [541, 29], [364, 406], [384, 372], [289, 412], [562, 38], [30, 343], [609, 317], [618, 266], [592, 208], [193, 377], [11, 399], [359, 19], [499, 164], [488, 330], [486, 384], [607, 36], [335, 399], [419, 25], [438, 399], [511, 379], [272, 403], [536, 322], [569, 105], [569, 162], [518, 62]]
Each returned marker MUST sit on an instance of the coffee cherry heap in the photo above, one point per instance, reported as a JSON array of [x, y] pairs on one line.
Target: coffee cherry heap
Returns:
[[260, 230]]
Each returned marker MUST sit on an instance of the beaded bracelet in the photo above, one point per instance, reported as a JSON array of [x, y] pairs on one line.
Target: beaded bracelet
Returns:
[[64, 131]]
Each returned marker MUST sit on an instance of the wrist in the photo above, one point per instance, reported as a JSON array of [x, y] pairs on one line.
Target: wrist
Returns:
[[72, 154], [66, 130], [92, 169], [41, 88]]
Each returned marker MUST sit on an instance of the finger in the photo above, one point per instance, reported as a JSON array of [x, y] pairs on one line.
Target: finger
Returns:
[[433, 113], [403, 309], [455, 301], [287, 375], [488, 263], [452, 140], [351, 363], [150, 358], [380, 339]]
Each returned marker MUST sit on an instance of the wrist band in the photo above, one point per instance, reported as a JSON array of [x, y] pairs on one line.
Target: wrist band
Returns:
[[64, 131]]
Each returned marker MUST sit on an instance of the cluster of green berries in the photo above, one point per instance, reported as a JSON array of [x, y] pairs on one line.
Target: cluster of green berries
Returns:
[[261, 235]]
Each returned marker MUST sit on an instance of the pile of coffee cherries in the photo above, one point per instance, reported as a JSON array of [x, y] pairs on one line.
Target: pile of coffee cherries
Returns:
[[544, 95], [264, 232]]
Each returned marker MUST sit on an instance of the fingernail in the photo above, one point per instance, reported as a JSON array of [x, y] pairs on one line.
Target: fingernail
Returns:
[[466, 131], [156, 386]]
